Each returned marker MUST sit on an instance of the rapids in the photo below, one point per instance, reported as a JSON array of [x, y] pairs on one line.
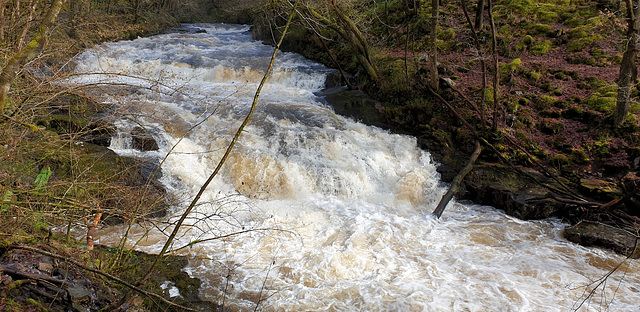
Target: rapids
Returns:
[[331, 214]]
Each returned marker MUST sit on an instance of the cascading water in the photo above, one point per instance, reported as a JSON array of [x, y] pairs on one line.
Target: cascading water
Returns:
[[334, 214]]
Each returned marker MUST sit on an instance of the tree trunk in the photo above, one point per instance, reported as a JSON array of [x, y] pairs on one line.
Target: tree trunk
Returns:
[[479, 15], [483, 63], [25, 54], [3, 6], [628, 67], [494, 52], [433, 60]]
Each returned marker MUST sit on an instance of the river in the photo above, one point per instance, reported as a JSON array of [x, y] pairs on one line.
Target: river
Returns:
[[334, 214]]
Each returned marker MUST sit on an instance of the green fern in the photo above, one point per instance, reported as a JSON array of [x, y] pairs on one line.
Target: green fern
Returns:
[[42, 179]]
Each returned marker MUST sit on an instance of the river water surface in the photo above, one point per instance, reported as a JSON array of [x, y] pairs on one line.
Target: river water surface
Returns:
[[335, 214]]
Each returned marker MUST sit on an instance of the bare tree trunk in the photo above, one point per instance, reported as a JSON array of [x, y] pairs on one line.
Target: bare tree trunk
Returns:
[[137, 12], [349, 32], [479, 15], [483, 62], [3, 7], [25, 54], [628, 67], [433, 60], [494, 52]]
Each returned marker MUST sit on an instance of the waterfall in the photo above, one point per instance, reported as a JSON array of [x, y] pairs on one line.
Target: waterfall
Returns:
[[334, 213]]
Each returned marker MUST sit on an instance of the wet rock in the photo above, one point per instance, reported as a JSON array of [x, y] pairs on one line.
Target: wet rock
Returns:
[[336, 80], [79, 294], [600, 189], [45, 267], [591, 233], [143, 140], [356, 104], [186, 30]]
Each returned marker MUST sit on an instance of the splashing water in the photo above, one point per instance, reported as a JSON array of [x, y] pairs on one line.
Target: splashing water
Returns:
[[333, 214]]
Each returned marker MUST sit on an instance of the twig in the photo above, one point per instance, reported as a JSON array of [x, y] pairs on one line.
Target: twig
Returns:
[[225, 156]]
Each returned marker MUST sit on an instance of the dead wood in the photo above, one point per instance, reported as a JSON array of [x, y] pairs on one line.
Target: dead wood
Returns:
[[453, 188], [99, 272]]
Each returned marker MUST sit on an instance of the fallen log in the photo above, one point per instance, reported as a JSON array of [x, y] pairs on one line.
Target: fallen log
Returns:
[[453, 189]]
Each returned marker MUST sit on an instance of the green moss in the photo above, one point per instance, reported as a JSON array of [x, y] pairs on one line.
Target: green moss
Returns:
[[559, 160], [514, 65], [600, 148], [505, 30], [608, 89], [448, 34], [574, 22], [546, 101], [601, 104], [579, 44], [445, 45], [521, 7], [596, 52], [594, 83], [541, 48], [595, 21], [488, 95], [579, 32], [534, 75], [579, 156], [528, 40], [616, 59], [547, 17], [539, 30]]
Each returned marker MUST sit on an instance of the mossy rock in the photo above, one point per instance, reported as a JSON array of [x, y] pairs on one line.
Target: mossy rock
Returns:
[[579, 32], [539, 30], [551, 126], [600, 189], [447, 35], [548, 17], [574, 22], [559, 161], [579, 44], [541, 48], [546, 101], [601, 104], [579, 156], [534, 75]]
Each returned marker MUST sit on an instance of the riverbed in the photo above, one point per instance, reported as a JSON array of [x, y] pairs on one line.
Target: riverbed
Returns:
[[318, 212]]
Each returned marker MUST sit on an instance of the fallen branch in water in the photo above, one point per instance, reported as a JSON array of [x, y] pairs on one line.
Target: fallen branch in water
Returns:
[[453, 189]]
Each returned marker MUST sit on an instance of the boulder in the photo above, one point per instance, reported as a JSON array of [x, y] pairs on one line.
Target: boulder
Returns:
[[591, 233]]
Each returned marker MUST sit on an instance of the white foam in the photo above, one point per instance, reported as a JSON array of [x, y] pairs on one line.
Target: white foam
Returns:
[[337, 212]]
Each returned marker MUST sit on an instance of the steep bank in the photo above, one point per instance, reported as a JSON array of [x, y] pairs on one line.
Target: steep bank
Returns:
[[61, 181], [555, 153]]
